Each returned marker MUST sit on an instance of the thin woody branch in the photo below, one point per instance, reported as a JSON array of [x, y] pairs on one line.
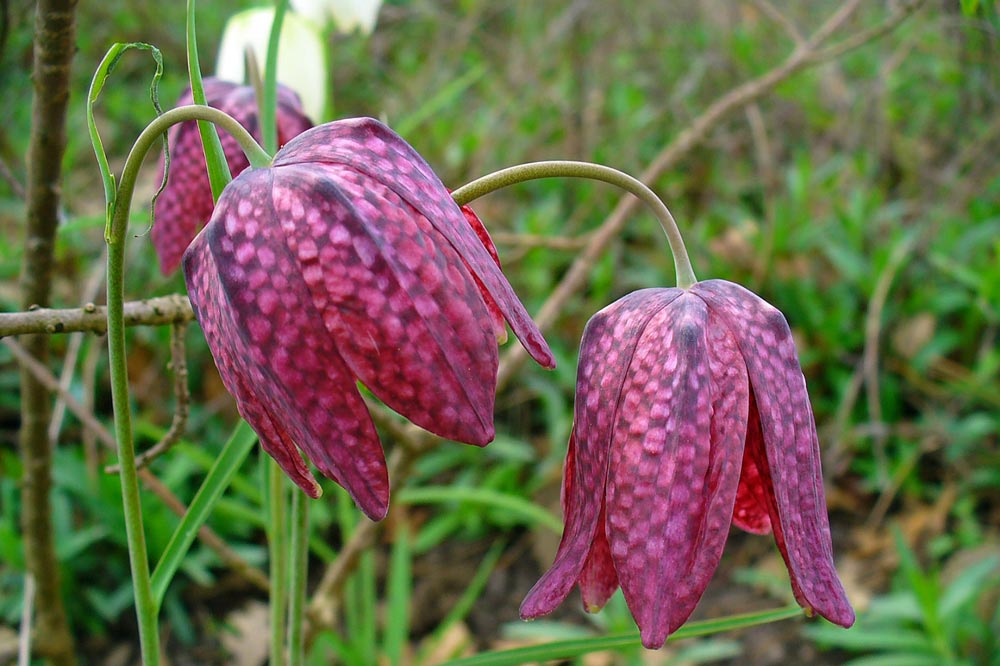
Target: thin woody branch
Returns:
[[172, 309]]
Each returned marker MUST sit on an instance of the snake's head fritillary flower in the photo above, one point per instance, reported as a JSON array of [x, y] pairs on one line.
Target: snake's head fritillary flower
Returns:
[[185, 204], [691, 415], [345, 261]]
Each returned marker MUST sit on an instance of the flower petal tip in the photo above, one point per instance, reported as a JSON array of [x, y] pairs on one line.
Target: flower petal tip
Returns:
[[653, 640]]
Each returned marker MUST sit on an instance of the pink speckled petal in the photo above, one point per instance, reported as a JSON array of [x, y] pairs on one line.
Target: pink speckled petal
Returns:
[[675, 464], [241, 376], [371, 148], [408, 318], [297, 370], [186, 202], [605, 354], [790, 442]]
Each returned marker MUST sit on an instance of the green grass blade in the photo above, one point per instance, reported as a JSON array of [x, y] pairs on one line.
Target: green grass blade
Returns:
[[515, 505], [226, 465], [218, 169], [576, 647], [399, 592]]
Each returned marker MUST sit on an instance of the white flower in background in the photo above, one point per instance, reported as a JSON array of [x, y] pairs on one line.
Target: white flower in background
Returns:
[[346, 15], [301, 54]]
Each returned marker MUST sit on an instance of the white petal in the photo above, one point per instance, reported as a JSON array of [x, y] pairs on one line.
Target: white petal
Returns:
[[346, 15], [301, 55]]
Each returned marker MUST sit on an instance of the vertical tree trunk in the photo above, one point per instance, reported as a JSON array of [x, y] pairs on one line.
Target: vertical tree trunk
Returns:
[[53, 52]]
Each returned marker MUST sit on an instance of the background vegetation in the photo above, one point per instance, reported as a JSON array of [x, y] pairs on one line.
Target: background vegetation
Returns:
[[861, 197]]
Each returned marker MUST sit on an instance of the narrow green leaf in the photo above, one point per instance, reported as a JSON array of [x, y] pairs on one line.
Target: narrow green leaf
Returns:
[[269, 105], [226, 465], [574, 648], [513, 504], [399, 590], [444, 97], [215, 158]]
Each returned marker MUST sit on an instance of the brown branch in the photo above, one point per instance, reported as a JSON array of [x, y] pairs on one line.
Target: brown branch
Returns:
[[208, 536], [53, 52], [686, 141], [172, 309]]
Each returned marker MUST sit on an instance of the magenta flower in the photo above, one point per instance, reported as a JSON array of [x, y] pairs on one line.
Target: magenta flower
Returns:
[[185, 204], [691, 414], [348, 261]]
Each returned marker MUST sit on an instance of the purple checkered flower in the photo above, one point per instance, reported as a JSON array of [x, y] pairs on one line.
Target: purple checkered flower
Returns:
[[347, 260], [691, 414], [186, 202]]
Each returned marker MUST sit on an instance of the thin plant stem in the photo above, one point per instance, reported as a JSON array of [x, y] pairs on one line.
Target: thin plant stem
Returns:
[[145, 602], [277, 541], [298, 576], [570, 169]]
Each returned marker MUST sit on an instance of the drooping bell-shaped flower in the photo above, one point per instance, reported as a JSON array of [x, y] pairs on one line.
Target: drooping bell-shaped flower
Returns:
[[691, 415], [185, 204], [347, 260]]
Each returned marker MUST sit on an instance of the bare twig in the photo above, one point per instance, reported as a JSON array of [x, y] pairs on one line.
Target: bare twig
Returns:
[[8, 177], [208, 536], [538, 240], [785, 23], [178, 361], [172, 309]]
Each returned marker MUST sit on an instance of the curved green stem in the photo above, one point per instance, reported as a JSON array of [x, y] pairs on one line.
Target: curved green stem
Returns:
[[568, 169], [145, 601]]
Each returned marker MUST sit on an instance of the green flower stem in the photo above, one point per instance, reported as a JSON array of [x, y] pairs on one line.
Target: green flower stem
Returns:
[[298, 577], [277, 542], [215, 157], [269, 103], [145, 601], [568, 169]]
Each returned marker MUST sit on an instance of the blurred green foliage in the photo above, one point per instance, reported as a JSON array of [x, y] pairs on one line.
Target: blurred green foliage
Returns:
[[862, 198]]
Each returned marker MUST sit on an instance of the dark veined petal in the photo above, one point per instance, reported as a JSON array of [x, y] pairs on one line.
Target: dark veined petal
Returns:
[[751, 512], [370, 147], [273, 346], [185, 204], [605, 355], [674, 464], [499, 323], [407, 316], [598, 578], [792, 459]]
